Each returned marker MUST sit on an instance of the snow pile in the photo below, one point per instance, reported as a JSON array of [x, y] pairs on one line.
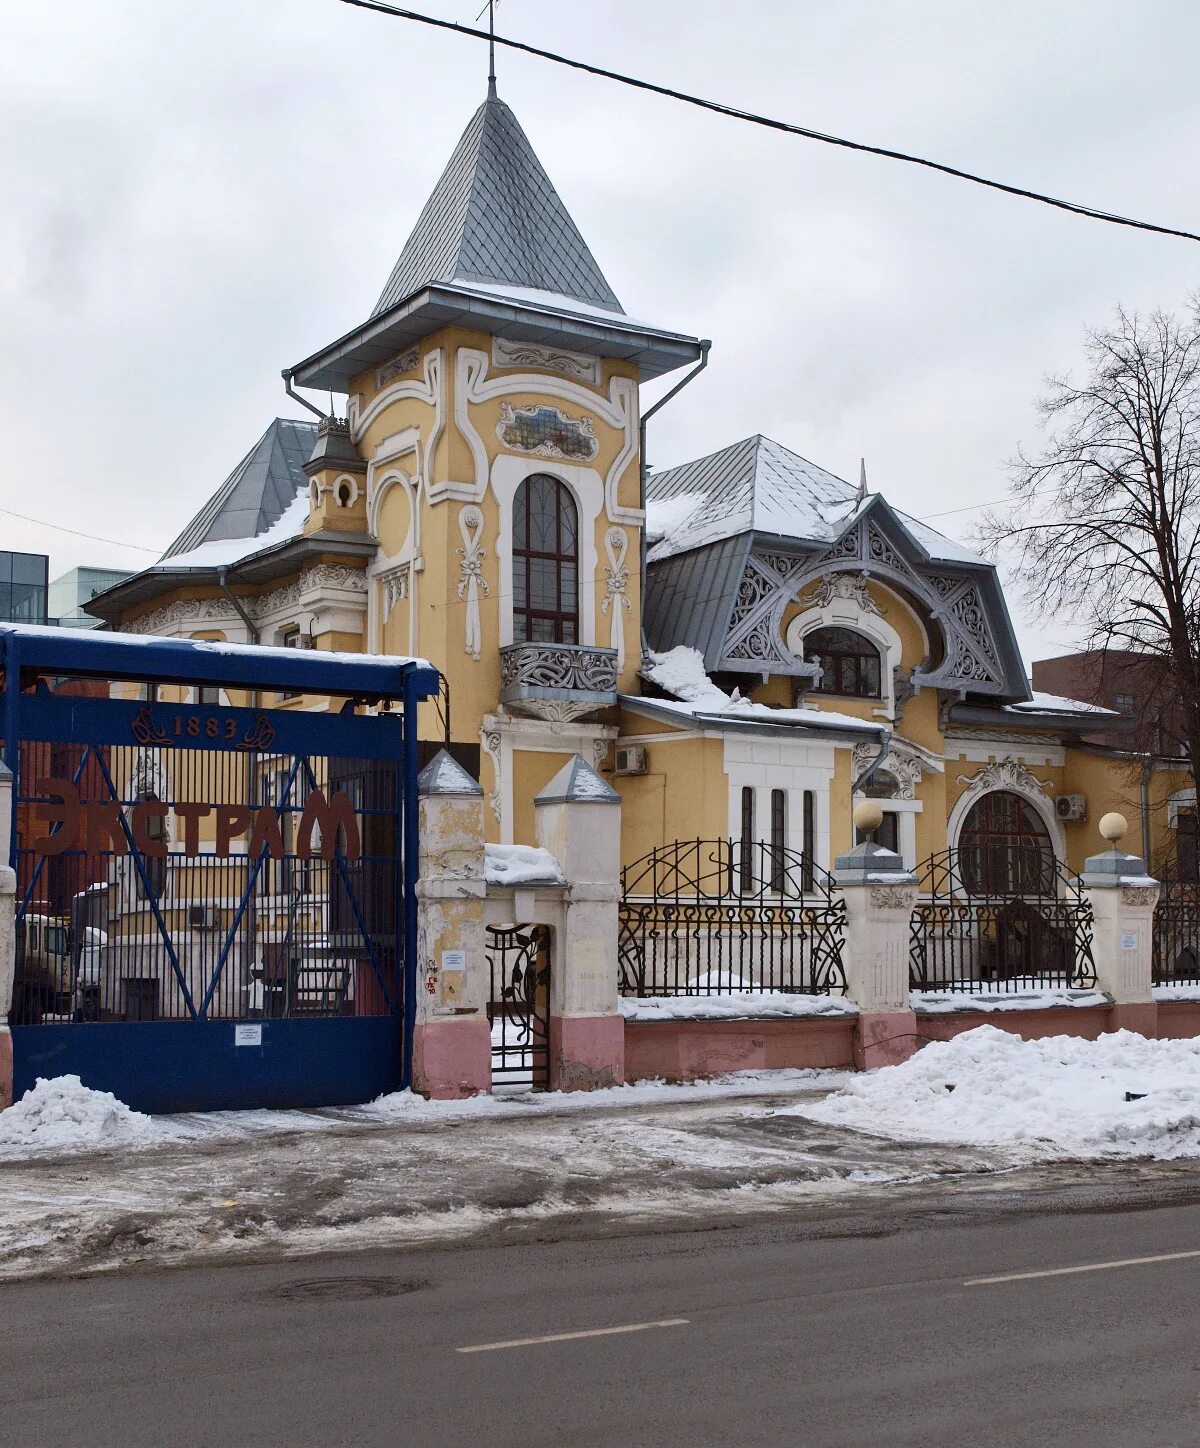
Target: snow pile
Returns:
[[742, 1005], [520, 865], [63, 1114], [665, 516], [680, 671], [1119, 1096], [995, 998]]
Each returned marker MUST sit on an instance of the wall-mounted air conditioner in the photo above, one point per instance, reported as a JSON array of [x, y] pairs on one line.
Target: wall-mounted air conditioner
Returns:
[[1071, 808], [631, 760]]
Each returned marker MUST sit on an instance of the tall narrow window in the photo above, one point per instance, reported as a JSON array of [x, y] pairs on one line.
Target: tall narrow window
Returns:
[[778, 839], [545, 563], [809, 836], [747, 841]]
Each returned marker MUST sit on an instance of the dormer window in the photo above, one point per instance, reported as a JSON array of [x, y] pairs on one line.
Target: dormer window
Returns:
[[850, 663], [545, 563]]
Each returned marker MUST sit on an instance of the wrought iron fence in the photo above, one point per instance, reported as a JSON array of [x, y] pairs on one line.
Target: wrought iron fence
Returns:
[[700, 917], [518, 958], [1176, 952], [1027, 927]]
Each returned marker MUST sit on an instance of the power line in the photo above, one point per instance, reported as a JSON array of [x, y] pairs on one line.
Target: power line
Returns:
[[94, 537], [1076, 208]]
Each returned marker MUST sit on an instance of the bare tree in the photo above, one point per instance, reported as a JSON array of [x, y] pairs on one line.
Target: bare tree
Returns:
[[1105, 519]]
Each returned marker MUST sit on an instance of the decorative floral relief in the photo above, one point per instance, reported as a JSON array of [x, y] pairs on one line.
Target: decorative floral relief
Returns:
[[850, 586], [404, 362], [547, 432], [1007, 773], [616, 600], [491, 747], [1138, 897], [893, 897], [507, 353], [470, 575]]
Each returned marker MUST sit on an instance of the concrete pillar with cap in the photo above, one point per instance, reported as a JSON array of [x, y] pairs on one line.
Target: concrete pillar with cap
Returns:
[[452, 1044], [879, 894], [578, 819], [1123, 896]]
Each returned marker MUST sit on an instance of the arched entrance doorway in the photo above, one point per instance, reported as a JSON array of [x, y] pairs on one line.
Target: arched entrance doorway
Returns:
[[1004, 848]]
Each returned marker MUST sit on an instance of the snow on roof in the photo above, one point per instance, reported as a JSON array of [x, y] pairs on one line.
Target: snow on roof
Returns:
[[680, 671], [1059, 704], [757, 485], [224, 552]]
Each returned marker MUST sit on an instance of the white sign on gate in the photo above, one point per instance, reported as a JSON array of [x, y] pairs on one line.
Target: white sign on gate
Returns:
[[247, 1035]]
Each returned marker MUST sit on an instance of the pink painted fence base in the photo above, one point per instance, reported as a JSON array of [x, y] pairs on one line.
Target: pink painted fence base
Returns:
[[690, 1050], [452, 1059]]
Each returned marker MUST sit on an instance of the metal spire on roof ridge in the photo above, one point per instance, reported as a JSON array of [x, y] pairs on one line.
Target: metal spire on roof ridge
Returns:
[[861, 496], [490, 7]]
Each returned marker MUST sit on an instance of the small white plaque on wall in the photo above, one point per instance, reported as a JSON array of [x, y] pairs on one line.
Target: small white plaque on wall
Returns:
[[247, 1035]]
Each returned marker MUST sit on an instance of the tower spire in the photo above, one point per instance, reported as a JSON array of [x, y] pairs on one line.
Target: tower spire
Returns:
[[490, 7], [860, 496]]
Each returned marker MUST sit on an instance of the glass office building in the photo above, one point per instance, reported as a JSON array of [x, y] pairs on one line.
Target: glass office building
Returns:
[[72, 590], [23, 587]]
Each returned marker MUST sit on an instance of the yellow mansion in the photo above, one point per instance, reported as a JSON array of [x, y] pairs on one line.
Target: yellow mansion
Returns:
[[743, 644]]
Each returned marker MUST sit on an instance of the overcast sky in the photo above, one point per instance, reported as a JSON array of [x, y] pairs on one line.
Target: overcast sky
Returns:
[[197, 193]]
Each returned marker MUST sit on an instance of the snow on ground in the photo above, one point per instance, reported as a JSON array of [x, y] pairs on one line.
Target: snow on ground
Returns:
[[1061, 1097], [734, 1005], [63, 1114], [997, 998]]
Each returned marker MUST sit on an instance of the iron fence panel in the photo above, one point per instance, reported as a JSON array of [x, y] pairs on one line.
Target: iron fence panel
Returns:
[[1176, 940], [966, 934], [722, 916]]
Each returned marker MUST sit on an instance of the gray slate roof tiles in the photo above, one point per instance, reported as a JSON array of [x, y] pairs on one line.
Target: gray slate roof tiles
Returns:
[[494, 216], [259, 490], [757, 485]]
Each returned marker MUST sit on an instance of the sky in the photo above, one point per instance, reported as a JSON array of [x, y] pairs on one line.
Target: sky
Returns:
[[198, 193]]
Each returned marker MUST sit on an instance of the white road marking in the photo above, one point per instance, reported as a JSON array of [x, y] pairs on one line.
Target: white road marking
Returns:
[[1087, 1267], [572, 1336]]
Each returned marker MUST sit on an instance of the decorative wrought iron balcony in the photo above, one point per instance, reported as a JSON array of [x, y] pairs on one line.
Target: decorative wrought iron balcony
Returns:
[[557, 681]]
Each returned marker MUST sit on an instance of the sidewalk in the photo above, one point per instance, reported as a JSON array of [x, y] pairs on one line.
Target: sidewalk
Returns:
[[409, 1173]]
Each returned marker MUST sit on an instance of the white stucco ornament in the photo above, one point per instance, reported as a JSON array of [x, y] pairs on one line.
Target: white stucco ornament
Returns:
[[471, 580], [616, 600]]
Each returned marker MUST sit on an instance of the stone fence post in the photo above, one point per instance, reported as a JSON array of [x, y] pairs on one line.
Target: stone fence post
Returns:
[[579, 821], [879, 894], [452, 1045], [1123, 897], [8, 935]]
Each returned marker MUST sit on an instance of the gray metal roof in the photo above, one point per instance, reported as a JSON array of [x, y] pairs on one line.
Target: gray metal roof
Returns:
[[494, 216], [258, 492], [757, 485], [578, 783]]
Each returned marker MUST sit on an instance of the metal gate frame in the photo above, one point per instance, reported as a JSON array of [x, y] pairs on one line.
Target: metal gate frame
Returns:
[[198, 1063]]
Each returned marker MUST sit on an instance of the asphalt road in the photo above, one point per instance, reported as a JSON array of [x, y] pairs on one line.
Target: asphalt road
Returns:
[[768, 1334]]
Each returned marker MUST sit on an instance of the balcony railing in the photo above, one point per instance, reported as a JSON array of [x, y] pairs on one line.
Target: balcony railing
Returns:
[[557, 681]]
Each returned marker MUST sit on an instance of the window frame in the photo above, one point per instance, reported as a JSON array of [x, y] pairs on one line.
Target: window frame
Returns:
[[840, 664], [563, 621]]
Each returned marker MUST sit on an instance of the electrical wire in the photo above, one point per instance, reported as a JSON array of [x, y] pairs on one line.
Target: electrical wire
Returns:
[[736, 113], [75, 532]]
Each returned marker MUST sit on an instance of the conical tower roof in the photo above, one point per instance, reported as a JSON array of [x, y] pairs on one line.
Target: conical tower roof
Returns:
[[494, 217]]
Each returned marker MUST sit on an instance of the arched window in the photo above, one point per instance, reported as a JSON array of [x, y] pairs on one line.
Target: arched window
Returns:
[[545, 563], [849, 662], [1004, 848]]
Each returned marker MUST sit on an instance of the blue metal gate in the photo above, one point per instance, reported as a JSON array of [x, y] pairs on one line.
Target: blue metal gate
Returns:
[[215, 901]]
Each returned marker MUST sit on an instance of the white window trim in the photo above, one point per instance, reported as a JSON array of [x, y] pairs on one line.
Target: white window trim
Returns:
[[846, 613]]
